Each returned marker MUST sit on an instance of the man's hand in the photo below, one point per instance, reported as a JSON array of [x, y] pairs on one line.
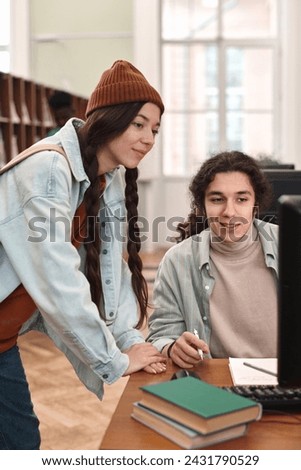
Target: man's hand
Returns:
[[184, 351]]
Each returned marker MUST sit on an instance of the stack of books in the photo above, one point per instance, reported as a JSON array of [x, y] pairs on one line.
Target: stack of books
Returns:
[[194, 414]]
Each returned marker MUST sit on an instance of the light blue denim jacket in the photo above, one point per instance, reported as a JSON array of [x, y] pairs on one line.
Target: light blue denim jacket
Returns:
[[38, 198], [184, 284]]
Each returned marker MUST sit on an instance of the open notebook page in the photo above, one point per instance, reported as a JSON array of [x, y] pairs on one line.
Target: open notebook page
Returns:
[[244, 375]]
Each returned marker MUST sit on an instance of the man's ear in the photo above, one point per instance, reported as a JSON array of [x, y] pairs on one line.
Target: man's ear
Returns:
[[255, 210]]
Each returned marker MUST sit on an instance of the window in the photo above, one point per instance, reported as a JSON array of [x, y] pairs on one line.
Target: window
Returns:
[[4, 35], [219, 80]]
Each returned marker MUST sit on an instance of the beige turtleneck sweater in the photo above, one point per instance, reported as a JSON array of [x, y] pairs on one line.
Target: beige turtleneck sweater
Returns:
[[243, 305]]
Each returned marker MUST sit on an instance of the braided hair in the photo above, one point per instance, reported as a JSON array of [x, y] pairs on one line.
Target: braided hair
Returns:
[[222, 163], [102, 126], [134, 243]]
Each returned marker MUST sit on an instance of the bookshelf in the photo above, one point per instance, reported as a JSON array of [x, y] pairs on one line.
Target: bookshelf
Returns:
[[25, 116]]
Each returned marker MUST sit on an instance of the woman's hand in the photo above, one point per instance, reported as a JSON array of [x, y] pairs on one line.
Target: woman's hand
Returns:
[[184, 351], [156, 368], [144, 356]]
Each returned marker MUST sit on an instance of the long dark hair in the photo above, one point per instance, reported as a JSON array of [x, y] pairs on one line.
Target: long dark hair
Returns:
[[102, 126], [222, 163]]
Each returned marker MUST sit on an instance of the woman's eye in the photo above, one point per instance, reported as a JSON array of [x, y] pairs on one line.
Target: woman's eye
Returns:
[[139, 125]]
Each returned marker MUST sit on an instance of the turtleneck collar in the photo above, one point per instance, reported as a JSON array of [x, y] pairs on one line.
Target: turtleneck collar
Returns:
[[239, 246]]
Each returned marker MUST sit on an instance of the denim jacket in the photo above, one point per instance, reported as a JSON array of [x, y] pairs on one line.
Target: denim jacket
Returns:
[[184, 284], [39, 197]]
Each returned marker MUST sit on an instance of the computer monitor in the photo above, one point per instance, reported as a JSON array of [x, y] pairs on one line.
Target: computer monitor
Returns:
[[283, 181], [277, 166], [289, 292]]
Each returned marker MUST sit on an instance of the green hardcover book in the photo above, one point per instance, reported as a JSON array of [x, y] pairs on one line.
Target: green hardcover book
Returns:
[[199, 405], [182, 435]]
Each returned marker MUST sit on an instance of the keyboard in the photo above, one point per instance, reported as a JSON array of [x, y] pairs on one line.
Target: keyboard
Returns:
[[271, 397]]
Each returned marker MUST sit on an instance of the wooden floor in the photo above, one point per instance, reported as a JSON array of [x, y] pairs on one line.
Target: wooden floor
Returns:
[[70, 416]]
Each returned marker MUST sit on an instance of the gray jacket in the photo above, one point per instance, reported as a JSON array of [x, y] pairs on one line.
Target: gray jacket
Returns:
[[184, 283], [38, 198]]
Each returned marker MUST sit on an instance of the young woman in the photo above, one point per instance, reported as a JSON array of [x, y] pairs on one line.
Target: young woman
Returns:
[[82, 294], [220, 281]]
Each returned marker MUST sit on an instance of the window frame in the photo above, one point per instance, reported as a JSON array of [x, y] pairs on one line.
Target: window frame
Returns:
[[222, 45]]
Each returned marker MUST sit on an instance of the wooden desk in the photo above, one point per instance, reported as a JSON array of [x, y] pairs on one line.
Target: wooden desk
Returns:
[[271, 432]]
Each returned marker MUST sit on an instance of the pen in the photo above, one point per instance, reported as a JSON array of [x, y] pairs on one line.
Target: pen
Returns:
[[259, 368], [195, 332]]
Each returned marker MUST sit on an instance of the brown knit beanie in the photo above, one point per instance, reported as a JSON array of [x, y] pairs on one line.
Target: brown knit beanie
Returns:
[[122, 83]]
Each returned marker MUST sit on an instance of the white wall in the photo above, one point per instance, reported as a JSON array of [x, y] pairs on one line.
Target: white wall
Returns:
[[20, 40], [74, 41]]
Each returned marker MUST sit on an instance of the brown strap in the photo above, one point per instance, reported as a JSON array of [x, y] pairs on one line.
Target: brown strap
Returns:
[[30, 151]]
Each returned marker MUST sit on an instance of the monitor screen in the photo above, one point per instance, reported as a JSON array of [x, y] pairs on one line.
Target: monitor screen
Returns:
[[277, 166], [289, 292], [283, 181]]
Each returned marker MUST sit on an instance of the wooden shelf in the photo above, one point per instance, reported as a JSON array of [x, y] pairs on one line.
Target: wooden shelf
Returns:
[[25, 116]]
